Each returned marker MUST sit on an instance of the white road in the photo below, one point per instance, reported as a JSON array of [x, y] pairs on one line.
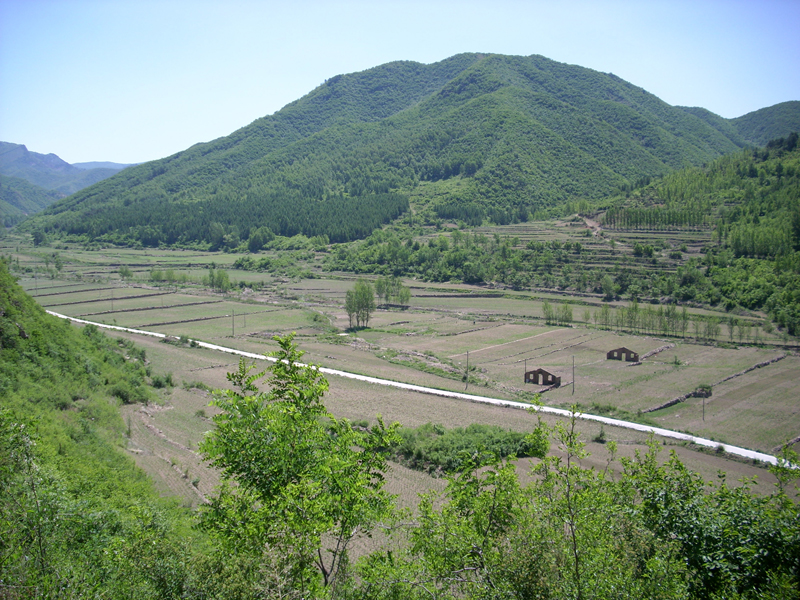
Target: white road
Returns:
[[734, 450]]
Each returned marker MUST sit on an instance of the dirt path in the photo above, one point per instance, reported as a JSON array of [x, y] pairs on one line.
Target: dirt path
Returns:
[[593, 225]]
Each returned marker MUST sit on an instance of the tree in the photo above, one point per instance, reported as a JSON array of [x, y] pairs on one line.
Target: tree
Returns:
[[350, 305], [391, 288], [609, 287], [39, 237], [360, 303], [298, 484], [218, 279], [259, 238]]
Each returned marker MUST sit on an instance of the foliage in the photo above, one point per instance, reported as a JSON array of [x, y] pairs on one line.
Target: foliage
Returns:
[[731, 539], [217, 279], [19, 198], [434, 448], [654, 531], [343, 160], [360, 303], [392, 289], [306, 483], [77, 518], [752, 198]]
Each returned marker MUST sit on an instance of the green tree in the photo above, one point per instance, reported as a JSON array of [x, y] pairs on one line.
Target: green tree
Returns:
[[360, 303], [350, 306], [259, 238], [299, 484]]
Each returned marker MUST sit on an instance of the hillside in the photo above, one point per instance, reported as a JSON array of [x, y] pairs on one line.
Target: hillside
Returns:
[[479, 135], [49, 172], [76, 514], [741, 213], [19, 198], [761, 126]]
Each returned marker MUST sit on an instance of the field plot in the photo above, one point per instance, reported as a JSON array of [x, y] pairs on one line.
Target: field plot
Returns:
[[427, 344], [164, 438], [760, 406]]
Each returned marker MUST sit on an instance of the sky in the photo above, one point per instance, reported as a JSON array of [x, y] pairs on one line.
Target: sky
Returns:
[[129, 81]]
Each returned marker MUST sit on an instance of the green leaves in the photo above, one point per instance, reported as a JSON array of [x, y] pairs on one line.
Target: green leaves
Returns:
[[360, 303], [302, 475]]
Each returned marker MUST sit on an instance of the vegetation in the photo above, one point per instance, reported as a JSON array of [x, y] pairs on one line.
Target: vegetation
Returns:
[[18, 199], [76, 516], [48, 173], [391, 289], [360, 303], [306, 483], [303, 511], [436, 449], [303, 486], [752, 199], [656, 531], [463, 136]]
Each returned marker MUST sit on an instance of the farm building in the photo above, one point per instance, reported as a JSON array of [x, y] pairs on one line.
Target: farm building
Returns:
[[622, 354], [542, 377]]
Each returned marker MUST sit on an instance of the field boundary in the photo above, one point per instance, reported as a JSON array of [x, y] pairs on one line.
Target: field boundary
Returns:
[[694, 394], [727, 448]]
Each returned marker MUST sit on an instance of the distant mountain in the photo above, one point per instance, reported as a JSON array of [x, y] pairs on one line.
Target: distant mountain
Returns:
[[48, 171], [472, 137], [102, 165]]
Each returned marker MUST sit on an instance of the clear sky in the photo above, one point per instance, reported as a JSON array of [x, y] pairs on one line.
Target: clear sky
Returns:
[[135, 80]]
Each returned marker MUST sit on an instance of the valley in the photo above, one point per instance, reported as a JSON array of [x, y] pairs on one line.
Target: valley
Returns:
[[425, 343], [506, 268]]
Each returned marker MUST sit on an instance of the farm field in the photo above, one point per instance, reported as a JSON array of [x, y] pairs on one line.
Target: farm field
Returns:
[[164, 438], [445, 327]]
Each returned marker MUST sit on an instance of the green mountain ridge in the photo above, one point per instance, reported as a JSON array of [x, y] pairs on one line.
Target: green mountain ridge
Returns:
[[20, 198], [504, 135]]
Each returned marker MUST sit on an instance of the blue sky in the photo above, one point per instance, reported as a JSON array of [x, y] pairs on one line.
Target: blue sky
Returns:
[[136, 80]]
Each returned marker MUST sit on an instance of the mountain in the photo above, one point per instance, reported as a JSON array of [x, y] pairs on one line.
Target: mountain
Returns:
[[773, 122], [470, 137], [50, 172], [20, 198], [101, 165]]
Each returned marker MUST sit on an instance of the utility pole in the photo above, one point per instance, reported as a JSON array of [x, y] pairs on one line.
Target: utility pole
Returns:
[[233, 323], [573, 374], [466, 386]]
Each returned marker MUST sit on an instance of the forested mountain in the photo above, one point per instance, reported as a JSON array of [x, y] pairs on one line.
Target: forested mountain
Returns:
[[773, 122], [49, 172], [19, 198], [473, 136]]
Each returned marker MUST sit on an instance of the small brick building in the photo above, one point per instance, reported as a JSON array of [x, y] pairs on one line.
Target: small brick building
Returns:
[[622, 353], [542, 377]]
